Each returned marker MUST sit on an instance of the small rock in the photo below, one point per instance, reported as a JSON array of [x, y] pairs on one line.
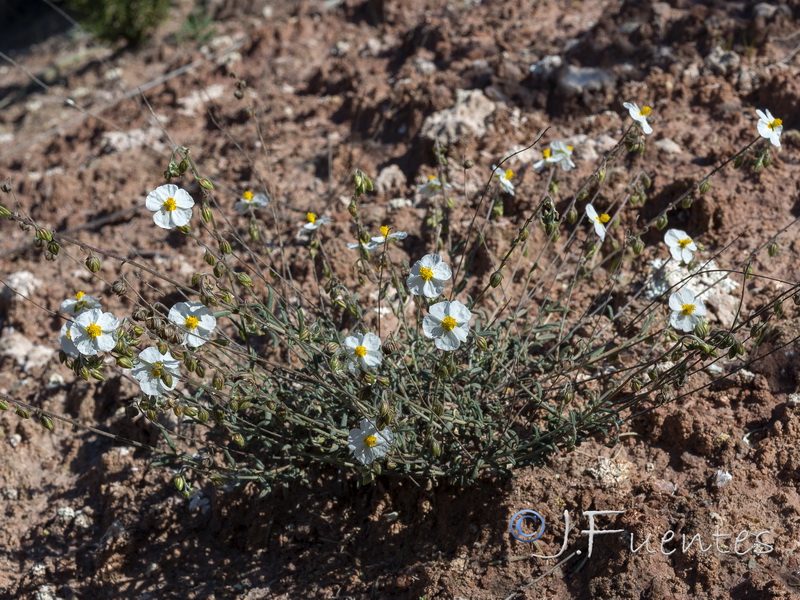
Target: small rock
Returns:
[[65, 514], [82, 520], [10, 493], [24, 352], [390, 178], [662, 485], [722, 478], [721, 62], [764, 10], [576, 81], [668, 146], [793, 400], [424, 66], [15, 440], [398, 203], [21, 283], [546, 68], [468, 118], [45, 592]]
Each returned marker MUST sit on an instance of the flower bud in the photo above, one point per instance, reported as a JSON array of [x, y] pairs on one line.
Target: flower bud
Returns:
[[205, 212], [523, 234], [772, 249], [687, 202], [738, 162], [572, 216], [92, 263], [481, 343], [97, 375], [23, 413], [436, 448], [219, 270], [238, 439], [704, 186], [438, 409], [210, 261], [244, 279], [124, 362], [636, 385], [369, 378], [6, 187], [252, 231], [178, 482], [384, 381], [701, 329], [225, 246], [4, 212], [53, 248], [202, 415], [218, 381], [352, 208], [3, 405], [119, 287], [131, 411], [601, 174], [496, 279], [46, 422], [662, 222], [200, 370], [748, 272], [206, 184], [637, 245]]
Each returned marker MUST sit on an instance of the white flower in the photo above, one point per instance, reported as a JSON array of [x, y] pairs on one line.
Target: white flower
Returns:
[[367, 443], [432, 186], [172, 206], [558, 153], [79, 303], [194, 320], [65, 341], [639, 115], [428, 276], [93, 331], [314, 221], [681, 246], [598, 221], [447, 324], [250, 202], [386, 236], [149, 368], [369, 246], [686, 310], [769, 127], [364, 351], [504, 177]]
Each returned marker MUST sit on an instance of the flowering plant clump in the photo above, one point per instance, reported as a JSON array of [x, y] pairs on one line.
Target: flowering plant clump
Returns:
[[475, 347]]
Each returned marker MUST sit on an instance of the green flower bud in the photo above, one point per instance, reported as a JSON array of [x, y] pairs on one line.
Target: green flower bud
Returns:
[[206, 184], [202, 415], [178, 482], [496, 279], [46, 422], [701, 329], [182, 166], [97, 375], [481, 343], [200, 370], [252, 231], [438, 409], [124, 362], [218, 381], [636, 385], [210, 260], [772, 249], [369, 378], [662, 222], [205, 212], [687, 202], [23, 413], [4, 212], [3, 405], [119, 287], [646, 181], [53, 248], [572, 216], [523, 235], [738, 162], [352, 208], [238, 439], [705, 185], [436, 448], [225, 246], [92, 263], [244, 279], [384, 381], [637, 245], [601, 174], [219, 270]]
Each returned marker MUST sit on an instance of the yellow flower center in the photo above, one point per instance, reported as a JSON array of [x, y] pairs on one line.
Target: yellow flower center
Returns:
[[157, 370], [69, 334], [247, 196], [431, 177], [79, 295], [191, 322], [384, 230], [644, 111], [426, 273], [370, 441], [361, 351], [604, 218], [774, 123], [687, 309], [312, 218], [570, 148], [509, 174], [684, 242], [448, 323], [170, 204], [546, 153], [93, 329]]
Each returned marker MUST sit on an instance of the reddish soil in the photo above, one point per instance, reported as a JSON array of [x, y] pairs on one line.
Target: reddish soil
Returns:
[[332, 86]]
